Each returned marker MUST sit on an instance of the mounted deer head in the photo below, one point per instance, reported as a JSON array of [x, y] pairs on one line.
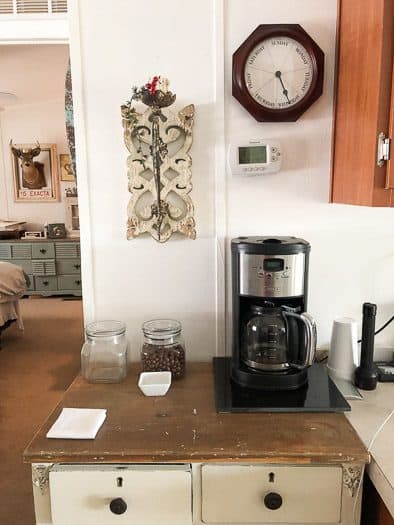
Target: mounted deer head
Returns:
[[26, 154], [32, 172]]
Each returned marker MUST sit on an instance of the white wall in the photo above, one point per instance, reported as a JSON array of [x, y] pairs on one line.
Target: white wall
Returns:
[[45, 122], [135, 280]]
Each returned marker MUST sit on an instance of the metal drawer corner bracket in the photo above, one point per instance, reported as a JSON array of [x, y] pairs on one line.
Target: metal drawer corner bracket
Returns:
[[40, 477], [352, 477], [383, 151]]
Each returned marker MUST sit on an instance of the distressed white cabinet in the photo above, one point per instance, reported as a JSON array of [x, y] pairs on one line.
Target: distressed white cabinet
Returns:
[[182, 463]]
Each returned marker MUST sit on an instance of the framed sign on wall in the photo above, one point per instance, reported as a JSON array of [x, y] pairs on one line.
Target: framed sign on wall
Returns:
[[35, 172], [66, 168]]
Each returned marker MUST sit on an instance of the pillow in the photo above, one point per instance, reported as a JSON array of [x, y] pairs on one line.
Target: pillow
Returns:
[[12, 281]]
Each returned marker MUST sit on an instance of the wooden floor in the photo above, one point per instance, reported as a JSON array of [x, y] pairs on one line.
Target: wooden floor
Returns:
[[36, 367]]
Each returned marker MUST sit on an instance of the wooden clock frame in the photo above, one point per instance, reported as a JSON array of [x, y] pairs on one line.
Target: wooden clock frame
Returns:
[[240, 91]]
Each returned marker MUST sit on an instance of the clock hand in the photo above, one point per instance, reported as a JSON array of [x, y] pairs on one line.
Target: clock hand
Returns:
[[278, 74], [290, 84]]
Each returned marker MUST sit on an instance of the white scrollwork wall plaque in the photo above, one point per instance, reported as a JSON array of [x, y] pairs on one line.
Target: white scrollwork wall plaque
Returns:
[[159, 164]]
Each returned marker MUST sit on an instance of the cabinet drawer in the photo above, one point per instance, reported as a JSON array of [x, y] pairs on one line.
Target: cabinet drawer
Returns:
[[15, 251], [154, 494], [25, 264], [67, 250], [21, 251], [236, 494], [69, 282], [67, 267], [45, 283], [43, 250], [44, 267], [5, 251]]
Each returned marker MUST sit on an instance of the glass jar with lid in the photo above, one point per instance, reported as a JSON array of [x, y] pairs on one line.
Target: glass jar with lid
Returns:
[[104, 353], [163, 348]]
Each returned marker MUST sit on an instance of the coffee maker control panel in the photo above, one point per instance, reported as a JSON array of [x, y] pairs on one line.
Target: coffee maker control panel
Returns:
[[271, 275]]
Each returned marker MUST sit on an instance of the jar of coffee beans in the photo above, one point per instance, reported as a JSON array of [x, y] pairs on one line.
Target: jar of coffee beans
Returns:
[[163, 348]]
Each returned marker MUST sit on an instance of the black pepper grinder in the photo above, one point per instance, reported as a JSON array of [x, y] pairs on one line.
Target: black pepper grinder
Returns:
[[366, 375]]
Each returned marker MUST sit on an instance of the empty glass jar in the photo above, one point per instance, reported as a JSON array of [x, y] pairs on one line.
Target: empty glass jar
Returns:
[[163, 348], [104, 353]]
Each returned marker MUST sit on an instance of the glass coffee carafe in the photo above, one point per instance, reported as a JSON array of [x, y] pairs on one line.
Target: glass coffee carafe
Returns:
[[277, 339]]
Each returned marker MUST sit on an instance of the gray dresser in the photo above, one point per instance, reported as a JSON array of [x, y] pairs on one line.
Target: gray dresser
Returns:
[[53, 265]]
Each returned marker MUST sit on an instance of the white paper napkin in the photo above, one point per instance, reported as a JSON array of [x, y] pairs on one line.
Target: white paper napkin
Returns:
[[78, 423]]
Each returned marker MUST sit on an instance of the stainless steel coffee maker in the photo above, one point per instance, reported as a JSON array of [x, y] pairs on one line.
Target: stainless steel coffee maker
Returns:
[[274, 338]]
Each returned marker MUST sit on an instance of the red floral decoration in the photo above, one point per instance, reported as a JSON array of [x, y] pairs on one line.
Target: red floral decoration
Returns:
[[152, 86]]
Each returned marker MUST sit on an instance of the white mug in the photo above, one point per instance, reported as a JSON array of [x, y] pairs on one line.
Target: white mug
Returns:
[[343, 357]]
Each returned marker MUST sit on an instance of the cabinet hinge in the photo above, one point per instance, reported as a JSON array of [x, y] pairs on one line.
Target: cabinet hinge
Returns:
[[383, 153]]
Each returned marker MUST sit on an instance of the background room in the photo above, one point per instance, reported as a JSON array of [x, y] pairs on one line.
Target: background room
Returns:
[[41, 357]]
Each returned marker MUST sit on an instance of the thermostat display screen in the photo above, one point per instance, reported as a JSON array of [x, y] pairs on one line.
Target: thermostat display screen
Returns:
[[252, 155]]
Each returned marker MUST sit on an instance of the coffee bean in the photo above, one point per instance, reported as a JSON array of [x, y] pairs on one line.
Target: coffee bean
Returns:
[[160, 358]]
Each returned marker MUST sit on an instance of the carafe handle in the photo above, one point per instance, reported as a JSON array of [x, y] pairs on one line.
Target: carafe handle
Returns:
[[309, 325]]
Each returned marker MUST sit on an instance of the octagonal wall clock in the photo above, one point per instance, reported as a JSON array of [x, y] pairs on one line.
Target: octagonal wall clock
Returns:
[[278, 72]]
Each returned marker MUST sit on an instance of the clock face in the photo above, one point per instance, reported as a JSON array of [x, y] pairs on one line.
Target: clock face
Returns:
[[278, 73]]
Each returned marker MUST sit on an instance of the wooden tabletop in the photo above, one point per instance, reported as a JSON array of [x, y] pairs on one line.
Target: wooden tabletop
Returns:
[[183, 426]]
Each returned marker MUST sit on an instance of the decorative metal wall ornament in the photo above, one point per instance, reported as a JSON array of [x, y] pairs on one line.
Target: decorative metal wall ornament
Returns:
[[352, 475], [40, 476], [159, 164]]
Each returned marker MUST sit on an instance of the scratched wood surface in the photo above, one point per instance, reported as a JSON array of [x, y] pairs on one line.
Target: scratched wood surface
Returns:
[[183, 426]]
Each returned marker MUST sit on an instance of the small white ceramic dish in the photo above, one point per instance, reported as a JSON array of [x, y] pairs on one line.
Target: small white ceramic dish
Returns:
[[154, 383]]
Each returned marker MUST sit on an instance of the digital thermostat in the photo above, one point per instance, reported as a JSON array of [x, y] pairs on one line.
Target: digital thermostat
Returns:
[[255, 157]]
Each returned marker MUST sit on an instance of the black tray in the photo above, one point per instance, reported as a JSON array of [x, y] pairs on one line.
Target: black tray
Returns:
[[319, 395]]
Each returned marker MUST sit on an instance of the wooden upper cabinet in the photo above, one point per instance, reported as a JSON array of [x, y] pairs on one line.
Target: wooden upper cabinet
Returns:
[[364, 102], [390, 164]]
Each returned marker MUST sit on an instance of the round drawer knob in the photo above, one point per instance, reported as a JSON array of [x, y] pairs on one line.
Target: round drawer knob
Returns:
[[118, 506], [273, 501], [43, 250]]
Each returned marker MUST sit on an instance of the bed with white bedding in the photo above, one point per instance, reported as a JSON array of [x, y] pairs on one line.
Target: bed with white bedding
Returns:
[[13, 285]]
